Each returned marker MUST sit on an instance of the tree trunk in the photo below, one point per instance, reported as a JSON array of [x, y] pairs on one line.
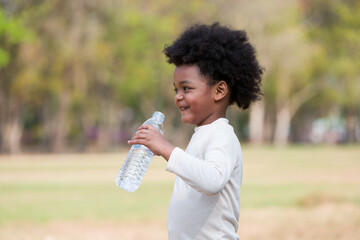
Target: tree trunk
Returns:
[[351, 121], [268, 129], [282, 128], [12, 133], [60, 128], [108, 127], [288, 110], [256, 123]]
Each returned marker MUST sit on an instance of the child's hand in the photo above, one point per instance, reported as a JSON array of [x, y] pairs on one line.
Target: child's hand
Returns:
[[150, 137]]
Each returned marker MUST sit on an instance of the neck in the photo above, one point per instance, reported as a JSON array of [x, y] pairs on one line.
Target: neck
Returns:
[[219, 113]]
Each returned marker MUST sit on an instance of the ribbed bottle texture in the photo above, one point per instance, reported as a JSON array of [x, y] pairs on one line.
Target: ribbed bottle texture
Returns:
[[138, 159]]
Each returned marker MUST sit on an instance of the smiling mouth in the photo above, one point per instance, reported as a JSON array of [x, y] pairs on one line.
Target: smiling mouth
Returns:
[[183, 108]]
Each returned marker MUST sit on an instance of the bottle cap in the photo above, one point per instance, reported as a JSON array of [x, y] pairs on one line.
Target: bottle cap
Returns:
[[159, 115]]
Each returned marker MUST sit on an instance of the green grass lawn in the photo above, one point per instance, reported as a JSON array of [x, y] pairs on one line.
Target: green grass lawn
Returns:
[[42, 188]]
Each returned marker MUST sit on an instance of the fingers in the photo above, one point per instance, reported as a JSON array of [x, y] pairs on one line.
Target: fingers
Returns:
[[143, 127], [141, 136], [146, 126], [144, 135], [132, 142], [145, 130]]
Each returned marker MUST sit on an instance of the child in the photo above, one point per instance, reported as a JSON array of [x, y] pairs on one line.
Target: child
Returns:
[[215, 67]]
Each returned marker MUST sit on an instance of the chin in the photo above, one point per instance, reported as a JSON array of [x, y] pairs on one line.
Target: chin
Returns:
[[186, 120]]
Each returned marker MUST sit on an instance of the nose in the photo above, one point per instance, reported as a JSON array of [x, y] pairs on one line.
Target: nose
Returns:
[[178, 96]]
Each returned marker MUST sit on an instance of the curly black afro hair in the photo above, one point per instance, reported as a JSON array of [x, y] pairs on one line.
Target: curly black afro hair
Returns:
[[221, 54]]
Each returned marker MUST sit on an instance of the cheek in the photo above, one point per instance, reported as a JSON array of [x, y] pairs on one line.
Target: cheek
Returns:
[[176, 98], [196, 100]]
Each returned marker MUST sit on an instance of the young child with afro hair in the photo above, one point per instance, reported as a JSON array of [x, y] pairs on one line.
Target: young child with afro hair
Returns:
[[215, 67]]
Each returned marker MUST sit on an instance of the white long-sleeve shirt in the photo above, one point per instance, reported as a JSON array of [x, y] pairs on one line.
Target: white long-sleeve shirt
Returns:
[[205, 203]]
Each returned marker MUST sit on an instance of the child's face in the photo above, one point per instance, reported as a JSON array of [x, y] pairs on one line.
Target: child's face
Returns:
[[194, 97]]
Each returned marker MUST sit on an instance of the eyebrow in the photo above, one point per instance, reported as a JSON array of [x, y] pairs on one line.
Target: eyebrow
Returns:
[[183, 82]]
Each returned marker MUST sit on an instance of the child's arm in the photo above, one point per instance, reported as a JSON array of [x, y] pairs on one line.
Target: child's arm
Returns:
[[150, 137], [212, 172]]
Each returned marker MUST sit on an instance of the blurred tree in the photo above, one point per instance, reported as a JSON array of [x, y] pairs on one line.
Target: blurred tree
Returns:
[[287, 56], [136, 69], [62, 59], [13, 34], [335, 26], [87, 65]]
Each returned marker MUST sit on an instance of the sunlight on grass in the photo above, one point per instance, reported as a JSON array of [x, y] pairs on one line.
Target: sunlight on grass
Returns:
[[43, 188]]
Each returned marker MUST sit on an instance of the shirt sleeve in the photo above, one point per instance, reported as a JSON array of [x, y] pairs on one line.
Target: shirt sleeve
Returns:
[[208, 175]]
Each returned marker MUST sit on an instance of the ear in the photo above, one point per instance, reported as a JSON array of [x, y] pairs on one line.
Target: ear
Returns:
[[221, 90]]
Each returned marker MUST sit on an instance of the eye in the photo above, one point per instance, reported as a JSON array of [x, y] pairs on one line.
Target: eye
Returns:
[[186, 89], [176, 90]]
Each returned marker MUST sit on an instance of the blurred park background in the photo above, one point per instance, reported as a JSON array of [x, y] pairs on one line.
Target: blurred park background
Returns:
[[81, 75], [78, 77]]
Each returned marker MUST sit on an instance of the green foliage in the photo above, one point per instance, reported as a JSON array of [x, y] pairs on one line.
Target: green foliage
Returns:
[[12, 32], [335, 26], [82, 64]]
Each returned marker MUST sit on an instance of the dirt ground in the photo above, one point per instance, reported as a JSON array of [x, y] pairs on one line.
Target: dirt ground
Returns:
[[327, 221]]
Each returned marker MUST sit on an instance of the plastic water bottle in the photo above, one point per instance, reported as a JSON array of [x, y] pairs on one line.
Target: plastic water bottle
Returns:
[[138, 159]]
